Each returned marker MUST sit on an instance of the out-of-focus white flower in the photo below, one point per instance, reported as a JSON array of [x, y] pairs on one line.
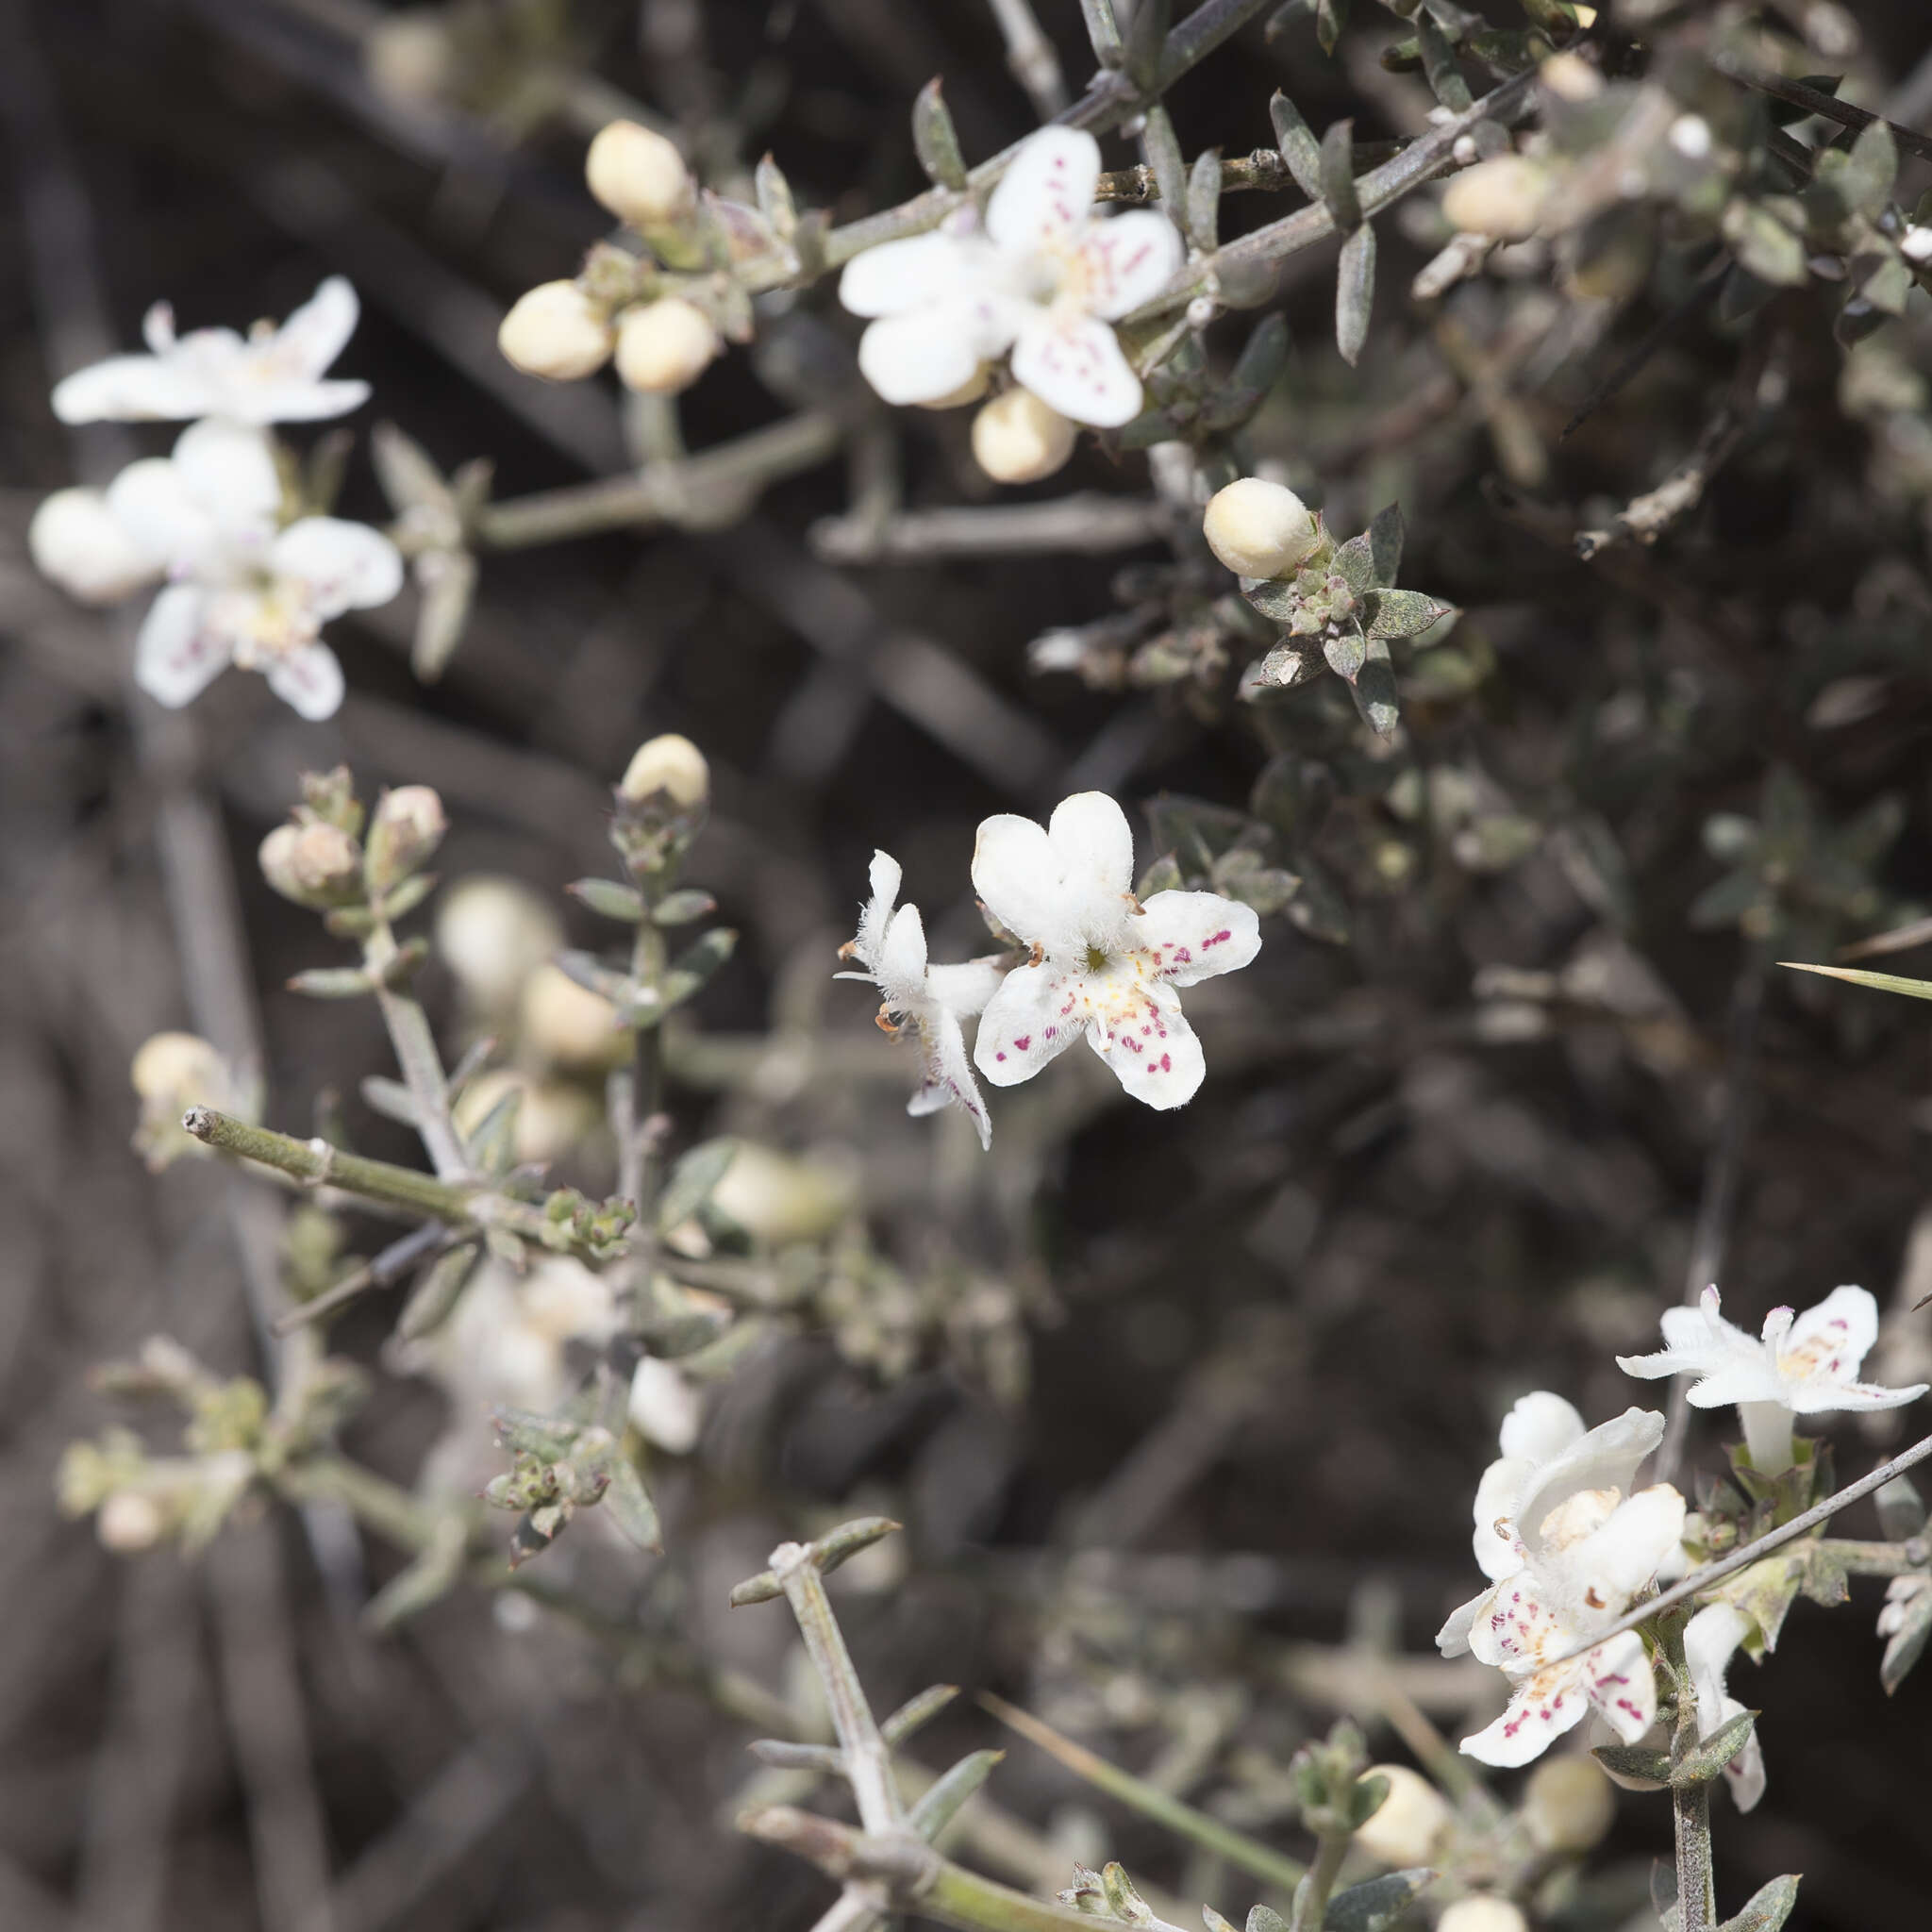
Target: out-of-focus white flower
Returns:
[[1258, 529], [1569, 1551], [77, 541], [1710, 1641], [1408, 1826], [667, 1407], [1482, 1911], [1802, 1365], [1045, 279], [269, 376], [1503, 196], [891, 947], [1567, 1804], [1106, 966], [492, 933], [664, 346], [568, 1024], [1017, 438], [243, 592]]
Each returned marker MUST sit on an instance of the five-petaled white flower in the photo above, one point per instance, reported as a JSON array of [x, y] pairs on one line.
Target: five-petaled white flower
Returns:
[[1803, 1365], [1104, 965], [1569, 1551], [890, 947], [1045, 279], [271, 375], [242, 592], [1711, 1640]]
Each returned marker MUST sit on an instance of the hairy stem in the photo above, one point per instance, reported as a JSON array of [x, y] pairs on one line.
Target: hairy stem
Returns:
[[1311, 1894]]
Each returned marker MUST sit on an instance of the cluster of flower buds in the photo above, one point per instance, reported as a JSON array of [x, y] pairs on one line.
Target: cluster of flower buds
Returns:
[[251, 570], [325, 859], [1086, 960], [662, 319]]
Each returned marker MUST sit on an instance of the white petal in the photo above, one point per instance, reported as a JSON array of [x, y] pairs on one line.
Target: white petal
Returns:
[[318, 331], [1452, 1640], [308, 680], [1093, 853], [1831, 1340], [1605, 1459], [1015, 871], [901, 973], [964, 988], [1074, 364], [1046, 195], [295, 400], [1614, 1564], [1741, 1381], [129, 389], [1197, 935], [1745, 1772], [1710, 1641], [917, 272], [78, 542], [1498, 1497], [1126, 261], [158, 327], [346, 566], [876, 913], [229, 469], [1541, 1426], [1815, 1398], [1153, 1051], [922, 355], [884, 876], [948, 1078], [1540, 1711], [1033, 1018], [150, 500], [1622, 1684], [177, 653]]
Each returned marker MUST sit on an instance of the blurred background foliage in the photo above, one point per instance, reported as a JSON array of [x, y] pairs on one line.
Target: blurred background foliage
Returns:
[[1182, 1413]]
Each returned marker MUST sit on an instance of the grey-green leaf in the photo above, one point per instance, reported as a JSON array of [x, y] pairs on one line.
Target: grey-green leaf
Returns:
[[1355, 292], [935, 140], [942, 1799], [1908, 1643], [391, 1099], [1355, 562], [1162, 147], [609, 898], [1403, 613], [1635, 1765], [1373, 691], [1204, 199], [1768, 1908], [1298, 145], [1706, 1761], [1376, 1903], [1878, 982], [437, 1292], [631, 1504], [1385, 533], [1337, 177], [692, 1180]]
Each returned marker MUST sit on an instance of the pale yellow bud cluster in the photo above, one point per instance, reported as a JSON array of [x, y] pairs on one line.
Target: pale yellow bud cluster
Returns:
[[1017, 438], [316, 864]]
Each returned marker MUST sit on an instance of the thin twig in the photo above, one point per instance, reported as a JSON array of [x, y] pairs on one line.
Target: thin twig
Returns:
[[1090, 523], [1827, 106], [1030, 55]]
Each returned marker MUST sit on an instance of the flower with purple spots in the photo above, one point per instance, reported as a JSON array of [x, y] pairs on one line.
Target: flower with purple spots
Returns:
[[1104, 967], [1569, 1551], [1045, 278], [926, 999], [1802, 1365]]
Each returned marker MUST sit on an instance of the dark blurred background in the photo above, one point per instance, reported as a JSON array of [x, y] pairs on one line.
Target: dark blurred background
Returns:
[[1182, 1413]]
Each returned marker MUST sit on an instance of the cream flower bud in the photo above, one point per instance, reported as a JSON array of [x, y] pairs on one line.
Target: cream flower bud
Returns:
[[76, 542], [1502, 197], [1567, 1804], [1482, 1911], [129, 1521], [409, 57], [1017, 438], [569, 1024], [670, 763], [638, 174], [316, 864], [1259, 530], [492, 934], [667, 1407], [664, 346], [407, 828], [1571, 78], [177, 1070], [557, 332], [1409, 1824], [777, 1199]]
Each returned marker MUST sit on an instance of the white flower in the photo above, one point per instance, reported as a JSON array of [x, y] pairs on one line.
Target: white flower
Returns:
[[1104, 965], [243, 593], [1803, 1365], [77, 541], [890, 947], [271, 375], [1045, 279], [1711, 1640], [1569, 1552]]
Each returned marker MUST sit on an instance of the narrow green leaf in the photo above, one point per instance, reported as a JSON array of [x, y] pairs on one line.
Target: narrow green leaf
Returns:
[[1636, 1766], [493, 1144], [1204, 199], [1331, 17], [1355, 292], [1373, 691], [1162, 147], [631, 1504], [1767, 1908], [1385, 534], [333, 983], [1439, 66], [391, 1099], [434, 1298], [1870, 169], [609, 898], [1878, 982], [692, 1180], [1337, 177], [1356, 562], [693, 968], [1146, 41], [1298, 145], [941, 1801], [682, 906], [1346, 654], [935, 140], [1908, 1643], [1706, 1760]]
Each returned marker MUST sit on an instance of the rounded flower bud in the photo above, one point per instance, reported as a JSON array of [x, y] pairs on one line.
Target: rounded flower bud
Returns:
[[1482, 1911], [638, 174], [1567, 1804], [317, 864], [778, 1199], [1409, 1824], [178, 1070], [1502, 197], [407, 828], [410, 58], [1259, 530], [129, 1521], [569, 1024], [667, 1407], [1017, 438], [76, 542], [492, 934], [664, 346], [557, 332], [670, 763]]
